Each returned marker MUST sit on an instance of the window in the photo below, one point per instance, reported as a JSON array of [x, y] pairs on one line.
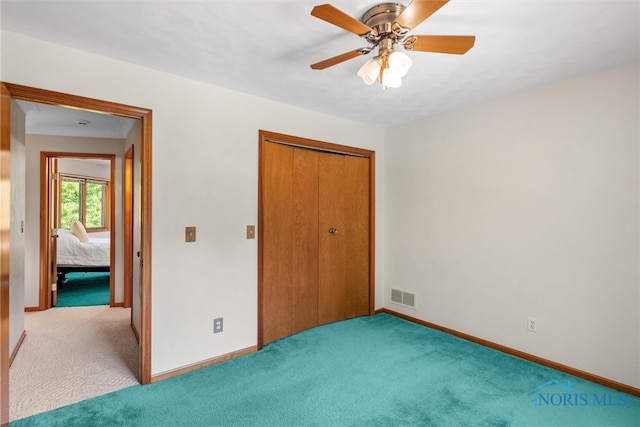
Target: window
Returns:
[[86, 200]]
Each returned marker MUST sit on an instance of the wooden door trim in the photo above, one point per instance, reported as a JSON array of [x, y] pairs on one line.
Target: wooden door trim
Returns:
[[48, 211], [267, 136], [44, 292], [330, 147], [5, 240], [44, 96], [127, 191]]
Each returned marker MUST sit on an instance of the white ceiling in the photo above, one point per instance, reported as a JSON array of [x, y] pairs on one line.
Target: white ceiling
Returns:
[[265, 47], [43, 119]]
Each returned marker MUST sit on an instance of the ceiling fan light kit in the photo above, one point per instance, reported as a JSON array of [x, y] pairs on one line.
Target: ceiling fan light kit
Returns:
[[388, 70], [388, 67], [384, 26]]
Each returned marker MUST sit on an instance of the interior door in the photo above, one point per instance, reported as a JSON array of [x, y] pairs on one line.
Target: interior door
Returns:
[[128, 228], [53, 192], [315, 238]]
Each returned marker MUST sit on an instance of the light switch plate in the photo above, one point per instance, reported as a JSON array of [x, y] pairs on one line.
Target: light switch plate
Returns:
[[251, 231], [190, 234]]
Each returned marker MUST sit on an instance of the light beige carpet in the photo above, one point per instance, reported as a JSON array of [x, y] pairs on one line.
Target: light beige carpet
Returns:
[[71, 354]]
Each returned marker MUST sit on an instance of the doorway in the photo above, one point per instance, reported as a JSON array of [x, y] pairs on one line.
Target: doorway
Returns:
[[50, 184], [316, 222], [12, 91]]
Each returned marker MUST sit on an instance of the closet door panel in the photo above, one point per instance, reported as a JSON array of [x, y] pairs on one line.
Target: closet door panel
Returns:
[[333, 236], [357, 242], [304, 239], [278, 250]]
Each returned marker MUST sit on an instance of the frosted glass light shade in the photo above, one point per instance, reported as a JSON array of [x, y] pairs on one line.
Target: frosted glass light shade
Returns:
[[399, 63], [370, 71], [391, 79]]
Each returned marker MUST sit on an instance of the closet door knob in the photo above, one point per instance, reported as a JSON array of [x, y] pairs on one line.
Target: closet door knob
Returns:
[[333, 230]]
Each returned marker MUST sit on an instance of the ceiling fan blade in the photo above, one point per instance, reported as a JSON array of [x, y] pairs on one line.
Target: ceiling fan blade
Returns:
[[335, 16], [418, 11], [337, 59], [440, 44]]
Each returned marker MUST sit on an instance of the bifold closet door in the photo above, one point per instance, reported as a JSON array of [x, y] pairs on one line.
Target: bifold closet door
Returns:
[[315, 228], [343, 279], [290, 233]]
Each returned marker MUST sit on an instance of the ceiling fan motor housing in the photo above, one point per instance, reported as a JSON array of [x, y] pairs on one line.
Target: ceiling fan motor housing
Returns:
[[381, 19]]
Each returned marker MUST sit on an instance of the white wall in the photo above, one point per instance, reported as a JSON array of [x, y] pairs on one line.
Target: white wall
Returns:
[[205, 174], [18, 211], [87, 168], [526, 206], [35, 145]]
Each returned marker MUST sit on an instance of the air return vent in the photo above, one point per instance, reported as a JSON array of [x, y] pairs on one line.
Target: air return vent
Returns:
[[403, 298]]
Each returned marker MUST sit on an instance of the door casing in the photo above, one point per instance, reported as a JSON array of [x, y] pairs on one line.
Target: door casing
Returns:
[[50, 209], [5, 239], [19, 92]]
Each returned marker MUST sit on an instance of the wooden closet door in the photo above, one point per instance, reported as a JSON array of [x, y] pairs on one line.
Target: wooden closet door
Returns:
[[343, 280], [290, 233]]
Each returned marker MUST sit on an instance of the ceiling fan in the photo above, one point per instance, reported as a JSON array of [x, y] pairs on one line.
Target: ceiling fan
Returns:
[[384, 26]]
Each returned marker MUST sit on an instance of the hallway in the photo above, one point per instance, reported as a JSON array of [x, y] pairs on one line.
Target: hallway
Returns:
[[72, 354]]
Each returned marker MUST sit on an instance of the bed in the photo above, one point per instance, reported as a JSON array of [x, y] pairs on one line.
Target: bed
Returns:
[[74, 255]]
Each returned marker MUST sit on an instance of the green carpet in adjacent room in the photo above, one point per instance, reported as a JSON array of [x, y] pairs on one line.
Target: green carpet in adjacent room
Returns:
[[369, 371], [84, 289]]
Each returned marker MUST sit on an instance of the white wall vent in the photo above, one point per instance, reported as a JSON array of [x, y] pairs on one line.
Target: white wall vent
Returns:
[[403, 298]]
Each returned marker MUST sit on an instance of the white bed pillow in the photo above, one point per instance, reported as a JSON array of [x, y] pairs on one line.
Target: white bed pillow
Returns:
[[79, 231]]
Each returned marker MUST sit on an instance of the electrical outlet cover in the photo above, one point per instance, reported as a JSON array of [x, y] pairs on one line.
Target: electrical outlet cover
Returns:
[[218, 325]]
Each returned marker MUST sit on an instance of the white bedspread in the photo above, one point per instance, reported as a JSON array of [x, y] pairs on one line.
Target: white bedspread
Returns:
[[72, 252]]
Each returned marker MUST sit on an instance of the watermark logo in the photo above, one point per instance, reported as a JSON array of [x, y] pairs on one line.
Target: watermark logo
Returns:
[[555, 393]]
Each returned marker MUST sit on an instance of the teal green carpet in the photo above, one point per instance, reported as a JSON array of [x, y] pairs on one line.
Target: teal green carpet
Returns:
[[369, 371], [83, 289]]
